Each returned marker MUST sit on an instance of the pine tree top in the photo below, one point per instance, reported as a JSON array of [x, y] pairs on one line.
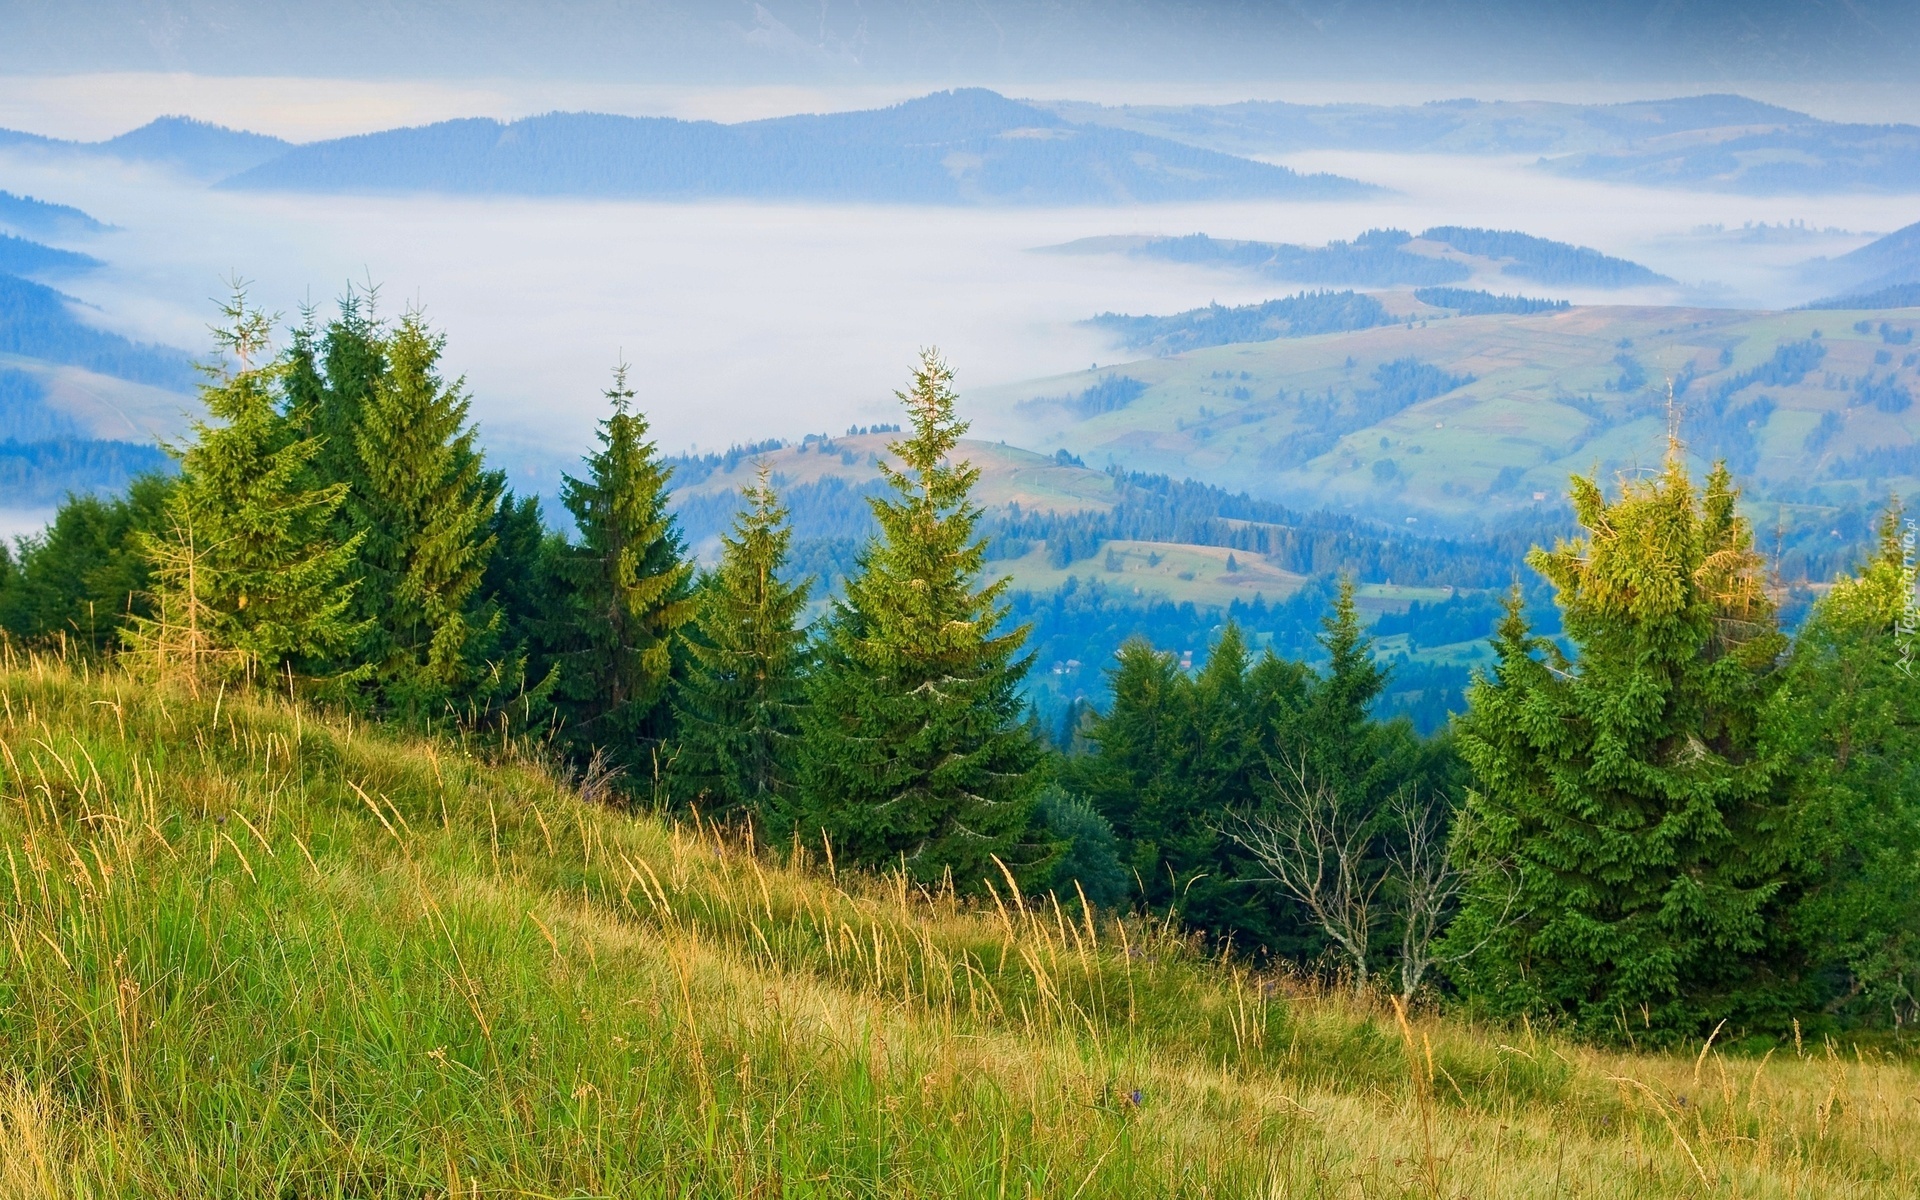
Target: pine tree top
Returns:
[[1660, 557], [916, 597]]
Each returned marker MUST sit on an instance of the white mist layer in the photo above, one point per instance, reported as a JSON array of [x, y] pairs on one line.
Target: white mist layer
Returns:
[[751, 320]]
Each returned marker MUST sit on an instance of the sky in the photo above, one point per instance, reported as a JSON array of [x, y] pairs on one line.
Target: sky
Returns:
[[944, 41]]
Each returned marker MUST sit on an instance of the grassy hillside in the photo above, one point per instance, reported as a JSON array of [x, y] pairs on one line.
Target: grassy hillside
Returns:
[[250, 952], [1530, 398]]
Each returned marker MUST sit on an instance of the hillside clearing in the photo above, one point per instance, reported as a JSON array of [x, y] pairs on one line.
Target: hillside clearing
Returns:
[[251, 951]]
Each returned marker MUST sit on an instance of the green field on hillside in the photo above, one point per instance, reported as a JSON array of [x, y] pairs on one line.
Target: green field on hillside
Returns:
[[1309, 420], [250, 951]]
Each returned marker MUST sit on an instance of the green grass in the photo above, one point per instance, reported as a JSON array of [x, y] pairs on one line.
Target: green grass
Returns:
[[251, 952]]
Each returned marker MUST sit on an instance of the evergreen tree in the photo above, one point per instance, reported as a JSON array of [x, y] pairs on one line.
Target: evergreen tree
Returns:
[[332, 378], [519, 580], [420, 499], [628, 596], [247, 572], [1629, 794], [739, 705], [1197, 758], [86, 575], [1089, 863], [1852, 709], [915, 749], [1331, 733]]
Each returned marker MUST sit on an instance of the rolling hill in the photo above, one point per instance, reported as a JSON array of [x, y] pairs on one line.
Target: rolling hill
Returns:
[[254, 950], [969, 146], [1882, 265], [1469, 419]]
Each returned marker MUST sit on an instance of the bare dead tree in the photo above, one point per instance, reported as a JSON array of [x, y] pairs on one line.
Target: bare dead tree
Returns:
[[1313, 843], [1430, 883]]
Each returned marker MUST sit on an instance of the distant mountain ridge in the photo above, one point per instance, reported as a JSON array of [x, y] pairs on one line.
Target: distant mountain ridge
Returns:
[[198, 148], [37, 322], [1884, 273], [969, 146], [27, 215], [1391, 257], [18, 256], [1713, 142]]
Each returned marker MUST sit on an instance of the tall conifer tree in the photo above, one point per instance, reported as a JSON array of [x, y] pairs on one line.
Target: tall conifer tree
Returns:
[[629, 595], [739, 706], [1852, 714], [1630, 792], [915, 748], [248, 576], [419, 496]]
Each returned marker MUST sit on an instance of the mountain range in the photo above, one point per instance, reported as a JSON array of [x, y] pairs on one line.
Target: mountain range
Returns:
[[969, 146], [973, 146]]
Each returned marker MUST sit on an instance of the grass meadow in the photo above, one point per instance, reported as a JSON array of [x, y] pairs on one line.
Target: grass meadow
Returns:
[[251, 951]]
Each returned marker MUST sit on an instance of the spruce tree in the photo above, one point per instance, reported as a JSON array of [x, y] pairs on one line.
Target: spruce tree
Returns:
[[628, 586], [739, 705], [248, 576], [1852, 716], [86, 576], [915, 748], [1628, 825], [332, 378], [420, 499]]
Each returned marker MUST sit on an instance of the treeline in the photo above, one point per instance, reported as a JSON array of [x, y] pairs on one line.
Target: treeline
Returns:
[[1544, 259], [45, 472], [1157, 508], [1324, 418], [1374, 259], [1076, 633], [1302, 315], [1671, 817], [32, 216], [1470, 303], [1668, 817]]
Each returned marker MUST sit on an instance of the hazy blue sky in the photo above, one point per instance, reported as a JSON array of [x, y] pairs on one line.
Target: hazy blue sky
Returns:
[[738, 41]]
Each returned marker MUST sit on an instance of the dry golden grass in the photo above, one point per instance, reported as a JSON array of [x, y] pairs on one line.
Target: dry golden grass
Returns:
[[251, 952]]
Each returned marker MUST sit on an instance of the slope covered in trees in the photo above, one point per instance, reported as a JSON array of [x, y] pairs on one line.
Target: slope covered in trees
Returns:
[[37, 322]]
